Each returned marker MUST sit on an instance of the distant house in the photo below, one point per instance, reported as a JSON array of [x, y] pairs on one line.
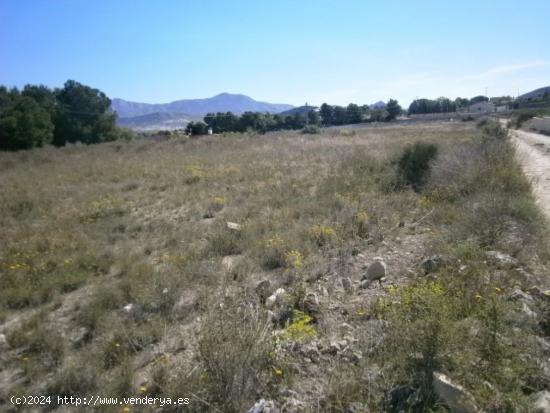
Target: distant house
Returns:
[[479, 107]]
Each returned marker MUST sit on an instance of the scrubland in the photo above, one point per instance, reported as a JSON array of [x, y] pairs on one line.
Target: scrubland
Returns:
[[119, 274]]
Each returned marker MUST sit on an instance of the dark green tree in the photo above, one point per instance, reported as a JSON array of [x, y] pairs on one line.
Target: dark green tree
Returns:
[[196, 128], [313, 117], [339, 115], [353, 114], [461, 103], [24, 123], [393, 109], [479, 98], [83, 114], [327, 114]]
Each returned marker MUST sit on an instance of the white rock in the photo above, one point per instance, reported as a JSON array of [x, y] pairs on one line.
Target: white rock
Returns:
[[453, 395], [271, 301], [4, 343], [263, 406], [128, 308], [277, 298], [234, 226], [501, 258], [230, 261], [540, 402]]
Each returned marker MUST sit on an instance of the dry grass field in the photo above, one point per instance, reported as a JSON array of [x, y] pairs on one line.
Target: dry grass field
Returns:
[[119, 273]]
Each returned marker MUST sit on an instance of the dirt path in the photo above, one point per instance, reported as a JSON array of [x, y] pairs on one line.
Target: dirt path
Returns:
[[534, 155]]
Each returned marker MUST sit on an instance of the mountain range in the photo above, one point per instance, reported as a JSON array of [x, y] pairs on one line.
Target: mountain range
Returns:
[[175, 115], [224, 102]]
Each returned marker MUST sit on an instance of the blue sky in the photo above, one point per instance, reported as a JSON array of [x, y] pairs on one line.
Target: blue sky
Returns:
[[279, 51]]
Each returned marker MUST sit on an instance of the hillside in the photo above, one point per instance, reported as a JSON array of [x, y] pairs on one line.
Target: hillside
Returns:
[[337, 272], [156, 121], [535, 94], [224, 102]]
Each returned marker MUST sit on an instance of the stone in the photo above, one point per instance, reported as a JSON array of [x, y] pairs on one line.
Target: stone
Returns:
[[520, 295], [540, 402], [528, 312], [433, 263], [230, 261], [346, 284], [455, 397], [364, 284], [115, 271], [234, 226], [276, 299], [501, 259], [77, 336], [376, 270], [4, 345], [263, 406], [129, 308]]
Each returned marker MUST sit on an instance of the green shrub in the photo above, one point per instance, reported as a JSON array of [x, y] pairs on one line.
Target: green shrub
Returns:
[[493, 129], [414, 164], [519, 119], [311, 129], [224, 241]]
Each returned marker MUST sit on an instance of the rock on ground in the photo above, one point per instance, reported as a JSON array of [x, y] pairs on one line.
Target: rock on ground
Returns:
[[540, 402], [455, 397], [263, 406], [376, 270]]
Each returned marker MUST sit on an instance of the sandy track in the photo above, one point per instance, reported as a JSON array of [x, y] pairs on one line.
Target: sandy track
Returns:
[[534, 154]]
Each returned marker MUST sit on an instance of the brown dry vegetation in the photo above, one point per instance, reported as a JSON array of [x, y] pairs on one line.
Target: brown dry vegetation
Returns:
[[112, 278]]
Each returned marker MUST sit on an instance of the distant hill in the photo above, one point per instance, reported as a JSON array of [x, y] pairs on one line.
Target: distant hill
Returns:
[[224, 102], [535, 94], [378, 105], [302, 110], [156, 121]]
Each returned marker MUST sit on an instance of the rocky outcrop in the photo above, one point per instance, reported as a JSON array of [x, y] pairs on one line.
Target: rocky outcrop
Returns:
[[455, 397]]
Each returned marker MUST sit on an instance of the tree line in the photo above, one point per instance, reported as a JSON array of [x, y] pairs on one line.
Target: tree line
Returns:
[[328, 115], [442, 104], [37, 115], [256, 121]]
